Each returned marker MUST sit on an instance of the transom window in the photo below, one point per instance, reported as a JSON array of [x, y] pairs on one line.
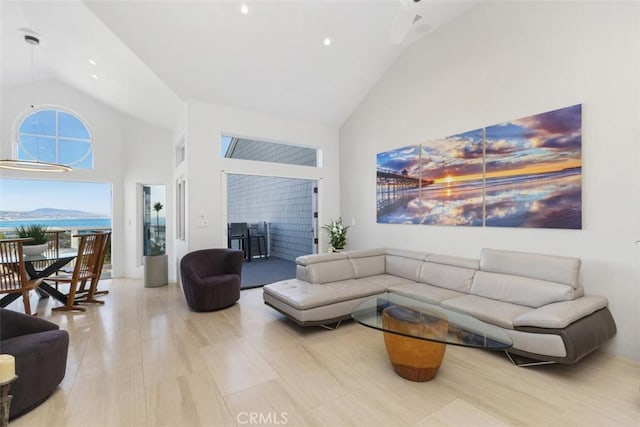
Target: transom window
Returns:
[[55, 136], [263, 151]]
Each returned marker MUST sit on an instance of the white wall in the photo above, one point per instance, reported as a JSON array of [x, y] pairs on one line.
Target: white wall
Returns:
[[501, 61], [149, 161], [206, 180], [122, 148]]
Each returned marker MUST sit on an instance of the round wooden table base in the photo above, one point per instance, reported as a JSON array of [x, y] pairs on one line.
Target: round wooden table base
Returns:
[[412, 358]]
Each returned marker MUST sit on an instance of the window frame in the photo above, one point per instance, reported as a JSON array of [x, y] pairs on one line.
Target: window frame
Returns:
[[56, 138], [231, 136]]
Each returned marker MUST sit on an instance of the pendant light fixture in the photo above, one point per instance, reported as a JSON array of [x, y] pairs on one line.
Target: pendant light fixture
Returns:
[[28, 165]]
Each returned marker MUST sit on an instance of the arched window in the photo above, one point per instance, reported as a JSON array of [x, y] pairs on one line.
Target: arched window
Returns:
[[55, 136]]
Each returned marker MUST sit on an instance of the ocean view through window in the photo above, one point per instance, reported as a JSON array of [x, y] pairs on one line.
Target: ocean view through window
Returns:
[[63, 205], [59, 223], [66, 208]]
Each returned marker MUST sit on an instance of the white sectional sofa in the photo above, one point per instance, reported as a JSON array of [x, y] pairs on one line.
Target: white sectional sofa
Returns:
[[536, 299]]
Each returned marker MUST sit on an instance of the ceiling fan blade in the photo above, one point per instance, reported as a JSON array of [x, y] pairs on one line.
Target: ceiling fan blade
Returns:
[[404, 19]]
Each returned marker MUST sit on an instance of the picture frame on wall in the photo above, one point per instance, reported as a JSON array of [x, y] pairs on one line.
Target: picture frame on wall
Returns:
[[454, 165], [534, 171], [525, 172], [398, 184]]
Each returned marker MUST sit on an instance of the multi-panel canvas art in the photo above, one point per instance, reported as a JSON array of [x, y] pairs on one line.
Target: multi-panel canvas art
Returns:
[[453, 168], [398, 185], [534, 171], [523, 173]]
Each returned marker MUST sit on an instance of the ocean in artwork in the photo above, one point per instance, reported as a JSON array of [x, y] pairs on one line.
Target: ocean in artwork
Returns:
[[453, 203], [399, 207], [545, 200], [398, 185]]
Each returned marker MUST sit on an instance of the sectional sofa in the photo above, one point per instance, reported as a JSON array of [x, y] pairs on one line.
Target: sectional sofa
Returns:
[[536, 299]]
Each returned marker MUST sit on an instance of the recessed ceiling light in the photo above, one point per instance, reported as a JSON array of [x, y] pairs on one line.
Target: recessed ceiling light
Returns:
[[244, 9], [95, 76], [327, 41], [92, 62]]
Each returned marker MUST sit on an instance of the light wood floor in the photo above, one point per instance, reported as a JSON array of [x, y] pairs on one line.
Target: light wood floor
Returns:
[[144, 359]]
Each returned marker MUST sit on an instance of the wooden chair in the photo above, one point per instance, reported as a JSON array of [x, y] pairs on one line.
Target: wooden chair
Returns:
[[13, 275], [52, 251], [89, 298], [53, 248], [89, 250]]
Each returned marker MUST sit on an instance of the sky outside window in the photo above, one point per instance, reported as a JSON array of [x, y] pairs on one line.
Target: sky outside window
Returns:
[[27, 195], [55, 136]]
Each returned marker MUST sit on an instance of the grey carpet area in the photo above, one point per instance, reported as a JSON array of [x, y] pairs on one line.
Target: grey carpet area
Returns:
[[262, 271]]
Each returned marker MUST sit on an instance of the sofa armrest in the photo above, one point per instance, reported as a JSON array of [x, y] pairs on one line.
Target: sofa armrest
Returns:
[[324, 268], [14, 324], [561, 314]]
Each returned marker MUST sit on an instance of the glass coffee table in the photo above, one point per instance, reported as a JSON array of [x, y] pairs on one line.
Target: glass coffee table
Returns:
[[416, 332]]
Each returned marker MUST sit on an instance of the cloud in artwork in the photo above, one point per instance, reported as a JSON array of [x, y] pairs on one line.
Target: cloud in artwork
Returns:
[[505, 146], [532, 179], [454, 155], [399, 160], [557, 122], [563, 142], [546, 141]]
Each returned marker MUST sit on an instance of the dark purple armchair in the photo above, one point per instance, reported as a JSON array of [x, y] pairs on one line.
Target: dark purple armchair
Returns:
[[40, 349], [211, 278]]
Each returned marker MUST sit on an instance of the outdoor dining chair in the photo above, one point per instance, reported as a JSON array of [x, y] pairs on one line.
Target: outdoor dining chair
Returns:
[[13, 275], [89, 251], [239, 231]]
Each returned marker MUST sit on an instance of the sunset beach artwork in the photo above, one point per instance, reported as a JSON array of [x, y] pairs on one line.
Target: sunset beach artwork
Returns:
[[453, 168], [522, 173], [533, 171], [398, 186]]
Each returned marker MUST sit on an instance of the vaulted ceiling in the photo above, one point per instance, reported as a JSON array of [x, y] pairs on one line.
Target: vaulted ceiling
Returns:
[[152, 56]]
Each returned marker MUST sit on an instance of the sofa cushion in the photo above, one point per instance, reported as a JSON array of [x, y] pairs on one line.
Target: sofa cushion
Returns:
[[446, 276], [387, 280], [405, 264], [552, 268], [367, 263], [456, 261], [426, 292], [303, 295], [322, 315], [491, 311], [519, 290], [364, 253], [404, 253], [561, 314]]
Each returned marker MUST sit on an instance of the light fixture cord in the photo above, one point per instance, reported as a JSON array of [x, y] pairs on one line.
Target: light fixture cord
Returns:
[[32, 81], [33, 104]]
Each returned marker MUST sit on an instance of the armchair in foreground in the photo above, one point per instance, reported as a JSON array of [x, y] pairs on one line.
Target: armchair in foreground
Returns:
[[40, 349], [211, 278]]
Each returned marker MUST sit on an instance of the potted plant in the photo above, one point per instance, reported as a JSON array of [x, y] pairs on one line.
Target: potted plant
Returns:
[[156, 263], [337, 235], [38, 234]]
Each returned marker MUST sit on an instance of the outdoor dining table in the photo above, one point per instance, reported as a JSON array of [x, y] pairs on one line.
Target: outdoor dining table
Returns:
[[55, 263]]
